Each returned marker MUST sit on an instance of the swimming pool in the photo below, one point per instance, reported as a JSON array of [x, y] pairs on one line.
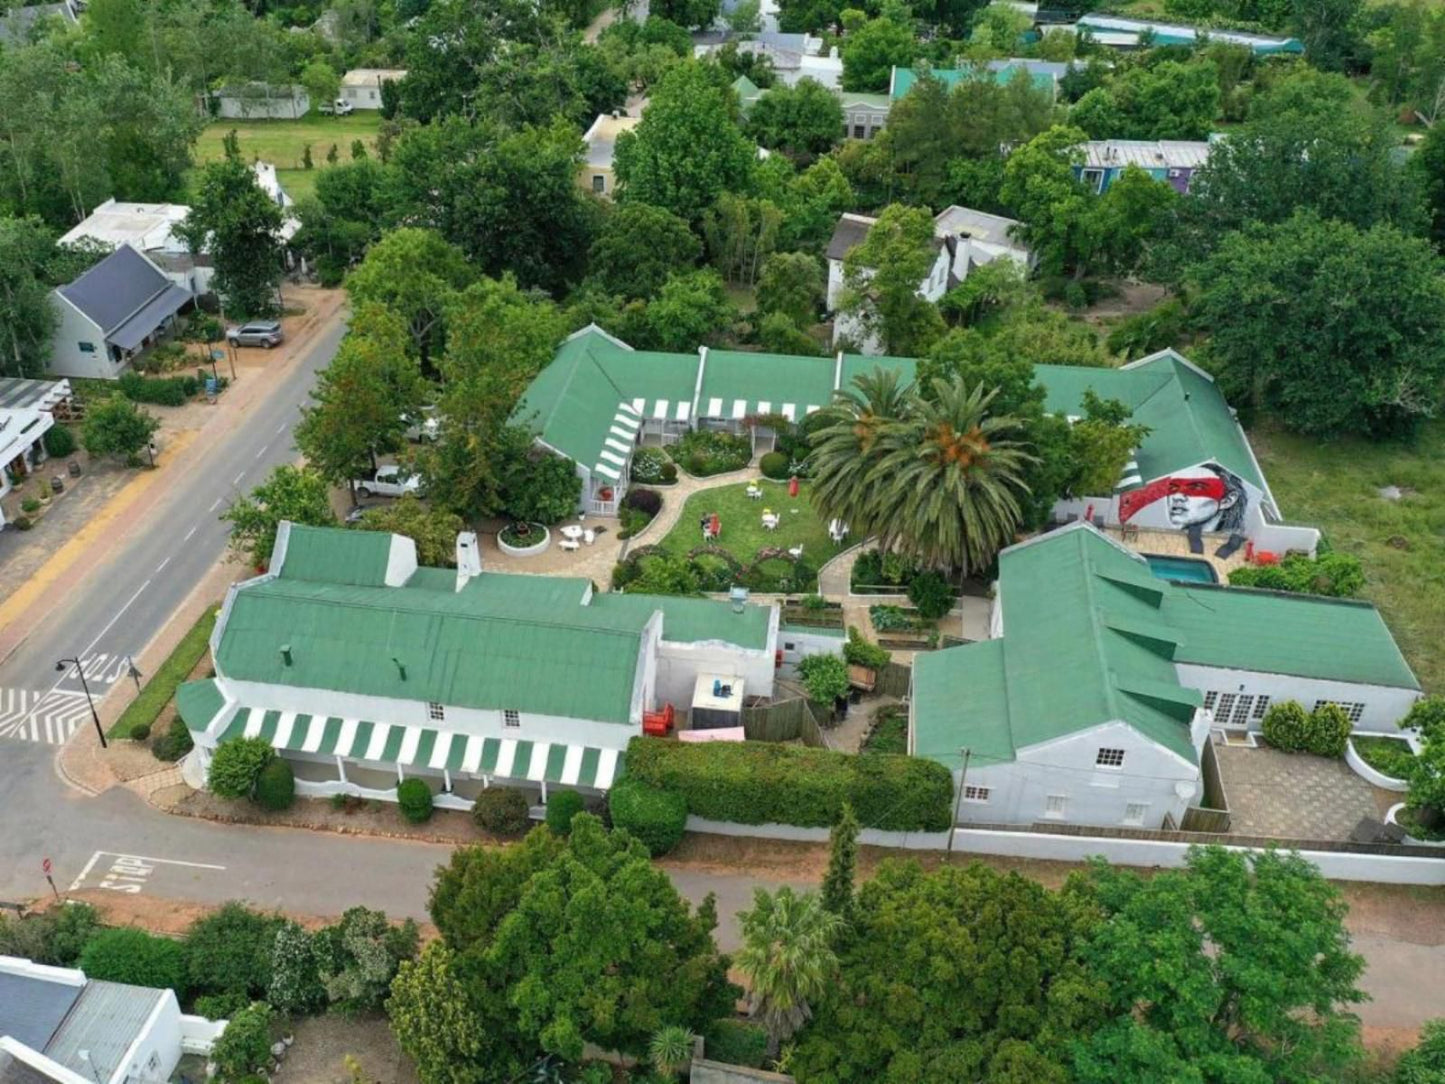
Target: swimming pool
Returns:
[[1181, 569]]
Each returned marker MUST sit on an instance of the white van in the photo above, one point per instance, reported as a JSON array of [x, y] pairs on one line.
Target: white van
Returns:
[[340, 107]]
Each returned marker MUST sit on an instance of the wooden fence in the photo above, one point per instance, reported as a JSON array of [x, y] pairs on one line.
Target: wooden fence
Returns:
[[783, 720], [894, 680]]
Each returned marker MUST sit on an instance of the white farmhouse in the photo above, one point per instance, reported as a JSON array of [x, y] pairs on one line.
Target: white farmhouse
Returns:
[[111, 312], [963, 240], [59, 1027], [362, 86], [151, 229], [363, 669], [1093, 699]]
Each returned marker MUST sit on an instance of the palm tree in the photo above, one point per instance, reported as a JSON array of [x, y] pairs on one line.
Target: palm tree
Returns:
[[946, 481], [670, 1050], [788, 957], [845, 444]]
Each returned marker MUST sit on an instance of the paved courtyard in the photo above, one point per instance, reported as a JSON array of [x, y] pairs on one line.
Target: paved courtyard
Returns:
[[1292, 795]]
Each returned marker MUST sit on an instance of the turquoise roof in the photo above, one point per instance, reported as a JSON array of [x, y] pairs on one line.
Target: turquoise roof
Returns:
[[904, 79], [198, 701], [352, 557]]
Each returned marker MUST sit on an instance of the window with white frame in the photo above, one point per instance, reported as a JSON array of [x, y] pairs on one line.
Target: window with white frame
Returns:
[[1224, 707], [1242, 707], [1261, 705], [511, 718], [1109, 758], [975, 794], [1135, 812], [435, 711], [1353, 711], [1210, 699], [1055, 804]]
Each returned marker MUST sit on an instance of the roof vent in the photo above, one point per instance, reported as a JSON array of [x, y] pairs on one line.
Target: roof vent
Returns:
[[286, 654], [739, 598]]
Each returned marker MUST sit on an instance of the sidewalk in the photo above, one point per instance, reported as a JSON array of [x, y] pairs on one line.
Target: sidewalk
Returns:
[[54, 582]]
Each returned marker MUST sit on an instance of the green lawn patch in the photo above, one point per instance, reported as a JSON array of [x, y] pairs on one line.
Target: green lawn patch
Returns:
[[742, 524], [157, 692], [1391, 756], [889, 733], [1401, 543], [283, 143]]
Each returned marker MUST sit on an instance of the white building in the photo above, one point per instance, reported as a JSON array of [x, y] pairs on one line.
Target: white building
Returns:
[[25, 418], [58, 1026], [110, 313], [963, 240], [262, 101], [363, 669], [600, 142], [362, 86], [149, 228], [1094, 697]]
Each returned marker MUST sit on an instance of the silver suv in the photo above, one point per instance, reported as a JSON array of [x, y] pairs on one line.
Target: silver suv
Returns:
[[265, 333]]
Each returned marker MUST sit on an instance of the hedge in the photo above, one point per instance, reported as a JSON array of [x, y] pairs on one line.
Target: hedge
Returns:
[[158, 390], [502, 810], [414, 799], [163, 683], [562, 806], [656, 817], [276, 786], [767, 783]]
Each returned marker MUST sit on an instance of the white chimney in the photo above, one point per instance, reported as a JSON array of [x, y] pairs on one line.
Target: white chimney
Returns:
[[469, 558]]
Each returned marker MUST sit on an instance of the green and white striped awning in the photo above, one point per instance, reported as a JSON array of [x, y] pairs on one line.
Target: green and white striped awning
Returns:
[[391, 743]]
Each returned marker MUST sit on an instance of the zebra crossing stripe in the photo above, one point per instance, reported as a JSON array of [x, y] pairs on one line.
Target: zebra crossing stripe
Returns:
[[49, 717]]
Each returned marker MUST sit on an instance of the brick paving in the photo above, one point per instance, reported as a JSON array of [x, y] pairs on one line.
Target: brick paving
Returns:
[[1292, 795]]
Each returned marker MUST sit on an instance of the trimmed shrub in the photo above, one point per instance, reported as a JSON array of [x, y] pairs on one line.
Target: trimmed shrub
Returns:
[[644, 500], [931, 595], [229, 951], [860, 652], [23, 523], [30, 504], [56, 937], [140, 733], [650, 465], [413, 798], [825, 677], [130, 955], [763, 782], [236, 765], [59, 441], [220, 1006], [175, 742], [775, 465], [561, 808], [502, 810], [1286, 725], [669, 472], [276, 786], [656, 817], [159, 390], [245, 1046], [1329, 731]]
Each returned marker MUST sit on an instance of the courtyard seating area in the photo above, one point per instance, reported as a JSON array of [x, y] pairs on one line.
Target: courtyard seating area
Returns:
[[1295, 795]]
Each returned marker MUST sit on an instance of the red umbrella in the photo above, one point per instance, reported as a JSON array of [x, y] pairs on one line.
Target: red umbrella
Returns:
[[793, 486], [715, 525]]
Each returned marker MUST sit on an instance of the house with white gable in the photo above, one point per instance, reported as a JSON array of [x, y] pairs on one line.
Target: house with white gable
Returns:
[[964, 239], [363, 668], [1101, 682]]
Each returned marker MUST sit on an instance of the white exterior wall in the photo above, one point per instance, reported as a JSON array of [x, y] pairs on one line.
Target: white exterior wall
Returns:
[[798, 645], [1385, 706], [1020, 790], [852, 328], [245, 108], [155, 1052], [678, 667], [74, 328]]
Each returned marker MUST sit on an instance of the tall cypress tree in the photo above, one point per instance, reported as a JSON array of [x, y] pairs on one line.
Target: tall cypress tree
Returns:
[[837, 891]]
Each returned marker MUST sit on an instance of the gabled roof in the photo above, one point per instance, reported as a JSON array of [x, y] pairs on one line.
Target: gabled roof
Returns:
[[1146, 153], [1180, 34], [736, 384], [1042, 74], [118, 290]]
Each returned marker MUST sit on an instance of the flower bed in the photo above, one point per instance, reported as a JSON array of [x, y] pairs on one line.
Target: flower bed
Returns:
[[651, 466], [1415, 832], [523, 539], [1382, 761], [704, 452]]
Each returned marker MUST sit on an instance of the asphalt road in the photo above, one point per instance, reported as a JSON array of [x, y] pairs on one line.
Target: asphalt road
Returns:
[[128, 593]]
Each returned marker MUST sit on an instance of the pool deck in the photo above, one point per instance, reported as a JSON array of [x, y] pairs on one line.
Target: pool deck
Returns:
[[1176, 544]]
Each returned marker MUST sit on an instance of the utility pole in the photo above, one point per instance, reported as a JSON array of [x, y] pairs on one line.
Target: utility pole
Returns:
[[958, 802]]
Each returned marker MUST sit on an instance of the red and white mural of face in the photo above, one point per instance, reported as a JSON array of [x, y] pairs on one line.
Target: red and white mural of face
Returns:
[[1208, 497]]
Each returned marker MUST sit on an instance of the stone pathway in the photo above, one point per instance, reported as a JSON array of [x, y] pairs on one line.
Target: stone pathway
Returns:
[[675, 496]]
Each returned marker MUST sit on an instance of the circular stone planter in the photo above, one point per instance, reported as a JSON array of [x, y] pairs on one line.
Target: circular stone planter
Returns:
[[543, 541], [1371, 775], [1412, 840]]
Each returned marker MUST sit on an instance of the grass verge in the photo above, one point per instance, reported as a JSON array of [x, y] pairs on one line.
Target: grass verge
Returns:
[[1401, 543], [157, 692]]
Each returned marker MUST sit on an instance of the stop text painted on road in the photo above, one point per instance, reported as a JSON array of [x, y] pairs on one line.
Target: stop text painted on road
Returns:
[[128, 873]]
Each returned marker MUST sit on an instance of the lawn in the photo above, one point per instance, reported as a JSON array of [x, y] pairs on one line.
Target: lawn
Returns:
[[1335, 486], [284, 142], [742, 528], [157, 692]]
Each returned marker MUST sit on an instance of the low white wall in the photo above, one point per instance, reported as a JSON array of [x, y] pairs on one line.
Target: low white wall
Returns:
[[1281, 538], [1370, 775], [198, 1034], [872, 837]]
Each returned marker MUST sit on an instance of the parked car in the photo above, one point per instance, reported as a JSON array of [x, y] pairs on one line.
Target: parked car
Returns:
[[423, 428], [340, 107], [389, 481], [265, 333]]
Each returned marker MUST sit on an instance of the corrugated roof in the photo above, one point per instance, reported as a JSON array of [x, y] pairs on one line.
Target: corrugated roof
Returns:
[[1040, 73], [198, 701], [320, 555], [848, 234], [133, 331], [1178, 33], [16, 393], [1275, 633], [855, 365], [1146, 153], [736, 384], [104, 1023], [32, 1008], [116, 288], [694, 620], [957, 684]]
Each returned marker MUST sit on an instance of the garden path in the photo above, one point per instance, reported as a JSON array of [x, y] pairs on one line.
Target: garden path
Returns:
[[676, 495]]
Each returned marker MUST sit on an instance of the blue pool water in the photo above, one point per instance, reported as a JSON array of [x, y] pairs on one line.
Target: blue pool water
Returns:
[[1181, 569]]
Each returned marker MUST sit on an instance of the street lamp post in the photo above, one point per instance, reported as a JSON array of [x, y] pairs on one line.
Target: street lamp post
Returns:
[[80, 669]]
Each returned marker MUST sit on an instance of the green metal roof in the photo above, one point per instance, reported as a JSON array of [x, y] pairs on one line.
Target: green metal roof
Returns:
[[390, 743], [694, 620], [198, 702], [735, 383], [855, 365], [904, 78], [1271, 632], [1189, 420], [814, 630], [960, 699], [351, 557]]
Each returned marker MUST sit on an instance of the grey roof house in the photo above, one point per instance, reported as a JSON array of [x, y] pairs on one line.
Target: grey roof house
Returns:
[[107, 315], [58, 1026]]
